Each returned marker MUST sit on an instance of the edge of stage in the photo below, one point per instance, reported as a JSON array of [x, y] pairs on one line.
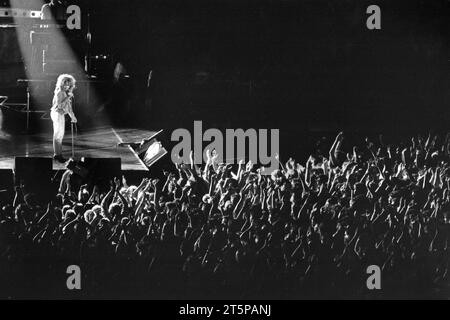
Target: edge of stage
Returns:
[[101, 142]]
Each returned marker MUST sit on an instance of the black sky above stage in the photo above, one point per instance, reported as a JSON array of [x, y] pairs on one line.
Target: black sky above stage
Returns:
[[300, 65]]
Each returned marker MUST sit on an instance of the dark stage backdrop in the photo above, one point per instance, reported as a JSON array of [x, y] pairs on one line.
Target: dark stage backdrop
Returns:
[[287, 62]]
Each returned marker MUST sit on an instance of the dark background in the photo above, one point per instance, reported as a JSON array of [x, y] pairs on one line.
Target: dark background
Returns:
[[313, 66]]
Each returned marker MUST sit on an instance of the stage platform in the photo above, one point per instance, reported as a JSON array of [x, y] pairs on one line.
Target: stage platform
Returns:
[[95, 143]]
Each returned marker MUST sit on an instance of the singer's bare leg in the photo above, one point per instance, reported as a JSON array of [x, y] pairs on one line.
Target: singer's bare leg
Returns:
[[58, 135]]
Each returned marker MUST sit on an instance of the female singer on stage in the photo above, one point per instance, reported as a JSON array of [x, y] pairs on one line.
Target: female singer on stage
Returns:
[[62, 105]]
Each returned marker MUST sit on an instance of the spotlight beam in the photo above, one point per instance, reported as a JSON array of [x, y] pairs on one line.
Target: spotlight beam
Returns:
[[57, 52]]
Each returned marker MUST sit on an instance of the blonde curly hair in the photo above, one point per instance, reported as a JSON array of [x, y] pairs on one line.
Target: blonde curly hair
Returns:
[[62, 79]]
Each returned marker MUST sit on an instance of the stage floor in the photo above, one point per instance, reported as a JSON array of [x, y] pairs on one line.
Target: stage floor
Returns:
[[95, 143]]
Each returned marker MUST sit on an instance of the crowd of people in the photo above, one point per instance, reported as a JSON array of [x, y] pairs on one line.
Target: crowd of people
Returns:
[[307, 230]]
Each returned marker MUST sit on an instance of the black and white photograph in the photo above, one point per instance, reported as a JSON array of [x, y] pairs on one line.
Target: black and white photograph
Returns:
[[224, 150]]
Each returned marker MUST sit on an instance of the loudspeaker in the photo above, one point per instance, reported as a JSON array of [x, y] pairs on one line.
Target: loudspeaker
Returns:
[[98, 171], [42, 38], [35, 173], [56, 67], [32, 169], [6, 186]]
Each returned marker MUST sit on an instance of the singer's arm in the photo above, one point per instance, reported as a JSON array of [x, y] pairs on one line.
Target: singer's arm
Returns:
[[71, 114], [63, 98]]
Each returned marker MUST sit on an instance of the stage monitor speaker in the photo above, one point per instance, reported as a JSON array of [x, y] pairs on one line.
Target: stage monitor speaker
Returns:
[[6, 186], [97, 171], [35, 173]]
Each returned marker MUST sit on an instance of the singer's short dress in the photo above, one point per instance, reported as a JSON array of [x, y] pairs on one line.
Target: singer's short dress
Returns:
[[58, 112]]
